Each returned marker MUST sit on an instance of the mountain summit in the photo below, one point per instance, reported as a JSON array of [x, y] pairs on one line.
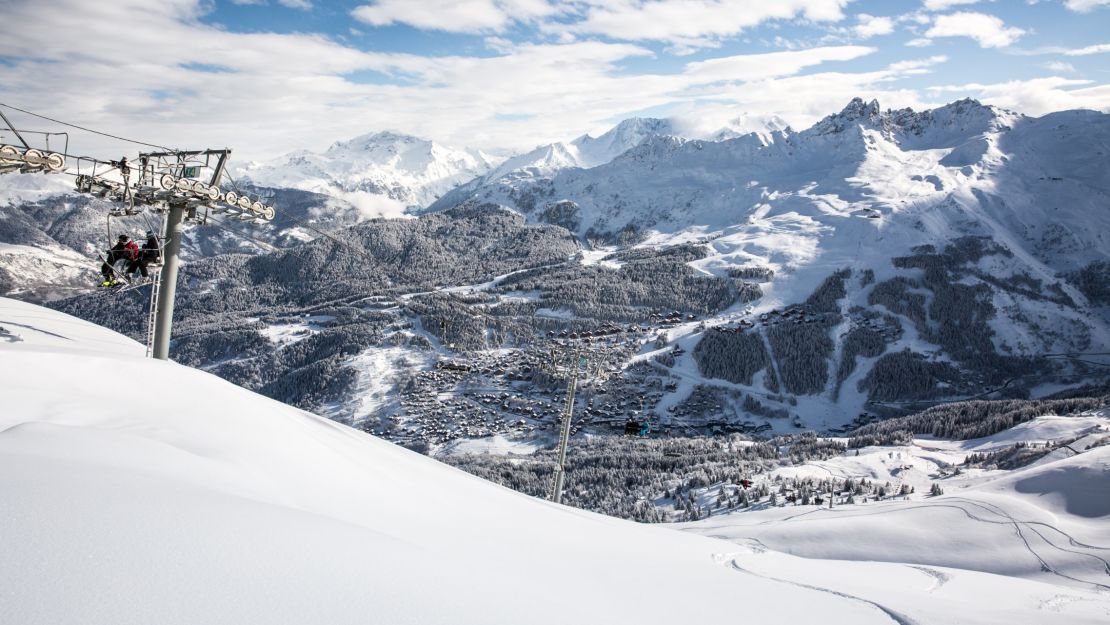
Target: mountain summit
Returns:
[[406, 170]]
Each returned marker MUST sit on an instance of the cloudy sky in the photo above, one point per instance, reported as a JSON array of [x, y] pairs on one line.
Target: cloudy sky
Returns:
[[270, 76]]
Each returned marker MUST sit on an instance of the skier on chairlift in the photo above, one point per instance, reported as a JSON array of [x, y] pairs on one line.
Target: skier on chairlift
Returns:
[[149, 253], [631, 427], [122, 252]]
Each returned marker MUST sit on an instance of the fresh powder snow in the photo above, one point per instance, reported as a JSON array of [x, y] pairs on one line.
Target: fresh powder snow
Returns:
[[140, 491]]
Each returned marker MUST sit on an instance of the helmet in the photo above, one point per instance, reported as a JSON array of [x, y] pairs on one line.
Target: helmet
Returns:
[[124, 237], [149, 233]]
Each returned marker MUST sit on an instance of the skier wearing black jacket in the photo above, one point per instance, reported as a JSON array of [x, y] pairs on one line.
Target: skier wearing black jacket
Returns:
[[124, 249]]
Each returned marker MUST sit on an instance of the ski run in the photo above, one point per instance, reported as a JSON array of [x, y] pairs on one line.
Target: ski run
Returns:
[[196, 501]]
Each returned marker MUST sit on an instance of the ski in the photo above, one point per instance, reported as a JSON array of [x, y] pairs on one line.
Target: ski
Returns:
[[117, 278]]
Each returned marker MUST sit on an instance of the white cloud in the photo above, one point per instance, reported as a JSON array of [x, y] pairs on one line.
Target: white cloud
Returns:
[[694, 20], [988, 30], [1059, 66], [920, 42], [524, 10], [460, 16], [917, 66], [803, 100], [1083, 6], [917, 17], [1038, 96], [499, 44], [944, 5], [871, 26], [760, 66], [463, 16], [292, 4], [1095, 49], [266, 93]]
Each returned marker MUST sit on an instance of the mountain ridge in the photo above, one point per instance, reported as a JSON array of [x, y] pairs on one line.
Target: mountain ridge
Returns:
[[399, 171], [878, 262]]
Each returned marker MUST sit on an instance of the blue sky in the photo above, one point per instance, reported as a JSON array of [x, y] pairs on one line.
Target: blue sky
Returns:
[[272, 76]]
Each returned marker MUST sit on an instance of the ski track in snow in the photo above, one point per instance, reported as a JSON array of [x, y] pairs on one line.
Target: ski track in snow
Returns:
[[938, 578], [1007, 519], [898, 618]]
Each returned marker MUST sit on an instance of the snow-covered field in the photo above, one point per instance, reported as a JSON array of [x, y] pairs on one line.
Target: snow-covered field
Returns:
[[1047, 523], [185, 499]]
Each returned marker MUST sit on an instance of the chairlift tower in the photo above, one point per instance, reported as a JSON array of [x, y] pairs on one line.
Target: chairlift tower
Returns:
[[571, 365], [168, 183]]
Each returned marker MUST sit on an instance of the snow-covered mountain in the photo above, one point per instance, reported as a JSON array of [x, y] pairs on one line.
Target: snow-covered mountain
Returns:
[[583, 152], [385, 173], [666, 183], [747, 124], [857, 189], [212, 504], [626, 135], [36, 260], [962, 226]]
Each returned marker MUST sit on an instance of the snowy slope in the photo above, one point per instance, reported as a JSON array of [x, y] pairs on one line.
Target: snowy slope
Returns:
[[385, 173], [47, 272], [1045, 522], [36, 260], [189, 500]]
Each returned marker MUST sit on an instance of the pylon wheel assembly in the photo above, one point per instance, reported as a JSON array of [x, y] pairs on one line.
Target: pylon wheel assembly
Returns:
[[34, 157], [9, 154], [55, 161]]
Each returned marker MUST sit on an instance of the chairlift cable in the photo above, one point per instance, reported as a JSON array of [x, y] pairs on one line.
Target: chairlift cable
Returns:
[[96, 132], [149, 228], [221, 225], [364, 255]]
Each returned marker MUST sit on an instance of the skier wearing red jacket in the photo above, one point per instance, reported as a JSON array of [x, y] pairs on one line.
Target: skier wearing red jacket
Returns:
[[124, 251]]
